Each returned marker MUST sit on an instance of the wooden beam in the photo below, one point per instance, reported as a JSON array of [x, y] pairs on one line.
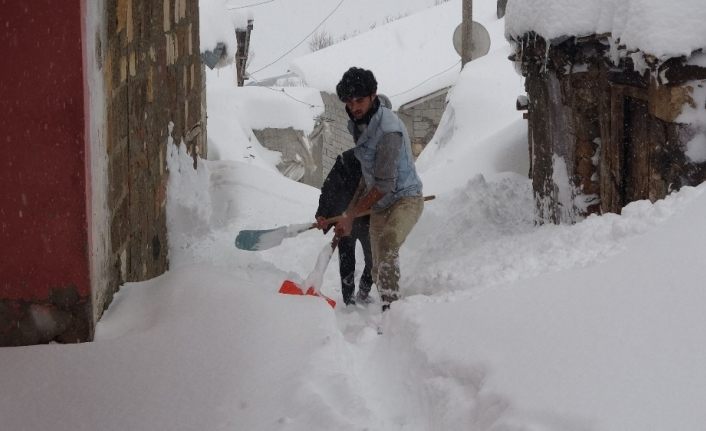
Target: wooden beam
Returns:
[[675, 72]]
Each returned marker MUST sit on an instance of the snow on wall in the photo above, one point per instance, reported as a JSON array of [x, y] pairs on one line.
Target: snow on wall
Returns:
[[657, 27], [564, 190], [695, 114], [217, 23], [188, 200], [696, 148]]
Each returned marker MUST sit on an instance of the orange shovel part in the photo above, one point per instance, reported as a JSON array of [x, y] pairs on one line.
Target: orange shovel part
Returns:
[[291, 288]]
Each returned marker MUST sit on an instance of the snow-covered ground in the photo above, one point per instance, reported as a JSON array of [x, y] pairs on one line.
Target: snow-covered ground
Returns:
[[504, 325]]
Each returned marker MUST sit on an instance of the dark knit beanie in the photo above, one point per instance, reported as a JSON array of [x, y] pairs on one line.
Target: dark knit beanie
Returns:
[[356, 82]]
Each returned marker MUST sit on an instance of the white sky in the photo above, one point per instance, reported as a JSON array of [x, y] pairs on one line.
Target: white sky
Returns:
[[504, 325]]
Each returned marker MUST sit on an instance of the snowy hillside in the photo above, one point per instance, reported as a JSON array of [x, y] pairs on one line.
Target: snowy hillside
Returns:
[[282, 29]]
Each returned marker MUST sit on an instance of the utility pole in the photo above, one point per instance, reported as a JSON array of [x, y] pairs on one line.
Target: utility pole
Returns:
[[501, 6], [242, 36], [466, 25]]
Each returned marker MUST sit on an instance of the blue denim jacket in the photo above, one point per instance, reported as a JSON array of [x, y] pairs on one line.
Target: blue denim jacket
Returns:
[[408, 182]]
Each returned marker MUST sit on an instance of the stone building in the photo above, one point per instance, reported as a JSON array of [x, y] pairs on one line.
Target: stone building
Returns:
[[334, 135], [422, 117], [300, 153], [308, 158], [608, 125], [307, 150], [414, 72], [87, 114]]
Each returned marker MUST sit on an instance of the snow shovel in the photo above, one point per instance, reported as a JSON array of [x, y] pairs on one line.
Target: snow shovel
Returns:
[[315, 279], [255, 240]]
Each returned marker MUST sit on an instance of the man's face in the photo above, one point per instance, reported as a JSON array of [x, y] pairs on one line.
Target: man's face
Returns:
[[359, 106]]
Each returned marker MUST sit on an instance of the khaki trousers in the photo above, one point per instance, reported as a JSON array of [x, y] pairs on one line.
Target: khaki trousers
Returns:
[[389, 229]]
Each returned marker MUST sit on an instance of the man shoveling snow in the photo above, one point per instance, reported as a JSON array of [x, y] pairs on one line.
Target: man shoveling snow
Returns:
[[389, 186]]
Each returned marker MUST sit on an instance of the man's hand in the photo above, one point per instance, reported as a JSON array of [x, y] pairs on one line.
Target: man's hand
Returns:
[[321, 222], [344, 225]]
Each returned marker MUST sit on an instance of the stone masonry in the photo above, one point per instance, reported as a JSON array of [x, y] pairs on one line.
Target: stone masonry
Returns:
[[153, 77], [301, 156], [422, 118], [309, 159], [337, 137]]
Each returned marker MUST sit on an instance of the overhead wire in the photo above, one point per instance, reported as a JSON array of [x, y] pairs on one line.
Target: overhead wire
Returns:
[[250, 5], [281, 90], [426, 80], [302, 41]]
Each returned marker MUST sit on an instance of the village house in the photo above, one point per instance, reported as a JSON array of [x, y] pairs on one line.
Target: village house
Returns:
[[616, 101], [94, 91], [418, 95]]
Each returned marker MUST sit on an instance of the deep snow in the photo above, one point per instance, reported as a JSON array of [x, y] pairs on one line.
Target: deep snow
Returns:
[[659, 28], [504, 324]]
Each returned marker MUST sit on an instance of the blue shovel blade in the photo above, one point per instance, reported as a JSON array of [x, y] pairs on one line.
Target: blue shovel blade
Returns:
[[254, 240]]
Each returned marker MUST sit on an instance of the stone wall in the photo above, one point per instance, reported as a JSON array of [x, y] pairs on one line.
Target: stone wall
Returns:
[[422, 118], [90, 214], [153, 77], [309, 159], [336, 137], [301, 156]]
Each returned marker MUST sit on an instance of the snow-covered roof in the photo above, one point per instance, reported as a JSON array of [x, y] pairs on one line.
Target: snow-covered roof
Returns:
[[657, 27], [263, 107], [217, 24], [403, 54]]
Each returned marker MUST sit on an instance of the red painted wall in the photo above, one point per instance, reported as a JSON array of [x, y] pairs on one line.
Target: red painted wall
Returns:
[[43, 224]]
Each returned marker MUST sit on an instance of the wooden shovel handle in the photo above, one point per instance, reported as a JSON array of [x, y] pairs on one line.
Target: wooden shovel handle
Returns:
[[333, 220]]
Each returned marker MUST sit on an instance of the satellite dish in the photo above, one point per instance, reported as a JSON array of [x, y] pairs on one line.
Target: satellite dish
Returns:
[[480, 40]]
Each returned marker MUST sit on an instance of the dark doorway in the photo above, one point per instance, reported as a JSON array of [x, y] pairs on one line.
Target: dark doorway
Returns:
[[637, 150]]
